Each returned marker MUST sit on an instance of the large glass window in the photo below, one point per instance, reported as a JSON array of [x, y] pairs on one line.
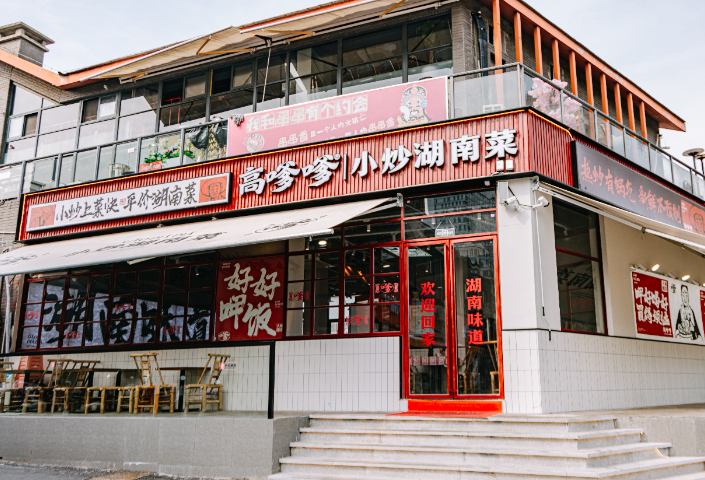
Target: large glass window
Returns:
[[579, 268], [24, 101], [372, 60], [271, 73], [313, 73], [59, 118], [429, 217], [40, 175], [139, 100], [164, 300], [430, 49]]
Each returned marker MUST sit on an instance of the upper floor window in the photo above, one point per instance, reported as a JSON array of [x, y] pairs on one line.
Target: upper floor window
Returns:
[[579, 263]]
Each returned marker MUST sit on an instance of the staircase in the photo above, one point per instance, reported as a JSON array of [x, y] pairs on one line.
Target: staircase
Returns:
[[503, 447]]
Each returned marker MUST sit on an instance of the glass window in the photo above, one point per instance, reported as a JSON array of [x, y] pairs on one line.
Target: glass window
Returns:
[[447, 226], [221, 80], [372, 47], [430, 33], [273, 96], [139, 100], [579, 268], [19, 150], [116, 161], [96, 134], [182, 115], [25, 101], [77, 168], [314, 87], [136, 125], [458, 202], [274, 73], [382, 73], [16, 127], [40, 175], [312, 60], [59, 118], [242, 75], [56, 142], [224, 106], [173, 91], [162, 150], [205, 143], [373, 233], [196, 86], [90, 110], [98, 108], [30, 124], [10, 181]]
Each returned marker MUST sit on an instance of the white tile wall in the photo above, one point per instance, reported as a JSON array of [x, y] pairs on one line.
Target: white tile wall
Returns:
[[341, 375], [575, 372], [338, 375]]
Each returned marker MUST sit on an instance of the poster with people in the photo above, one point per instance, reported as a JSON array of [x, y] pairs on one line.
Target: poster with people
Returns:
[[667, 309]]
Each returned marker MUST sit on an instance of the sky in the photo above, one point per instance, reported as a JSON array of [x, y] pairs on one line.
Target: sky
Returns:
[[658, 45]]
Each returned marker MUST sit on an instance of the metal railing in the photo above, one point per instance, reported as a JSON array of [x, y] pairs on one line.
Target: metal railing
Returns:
[[478, 92]]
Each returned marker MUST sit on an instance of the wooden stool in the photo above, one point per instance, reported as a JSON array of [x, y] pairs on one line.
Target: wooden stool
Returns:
[[210, 392], [75, 387], [40, 393]]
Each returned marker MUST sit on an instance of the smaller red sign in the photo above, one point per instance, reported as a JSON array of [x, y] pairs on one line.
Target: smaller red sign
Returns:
[[213, 189], [42, 216], [651, 305], [150, 167], [250, 299], [693, 218]]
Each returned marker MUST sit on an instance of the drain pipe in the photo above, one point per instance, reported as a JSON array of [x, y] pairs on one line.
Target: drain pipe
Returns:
[[535, 186]]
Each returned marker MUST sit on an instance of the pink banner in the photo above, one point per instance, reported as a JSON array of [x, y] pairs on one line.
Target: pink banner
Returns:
[[410, 104]]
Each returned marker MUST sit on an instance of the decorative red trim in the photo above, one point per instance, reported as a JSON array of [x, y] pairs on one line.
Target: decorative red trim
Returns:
[[465, 406]]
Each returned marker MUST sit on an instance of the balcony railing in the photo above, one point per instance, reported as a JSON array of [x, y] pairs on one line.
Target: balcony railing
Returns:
[[478, 92]]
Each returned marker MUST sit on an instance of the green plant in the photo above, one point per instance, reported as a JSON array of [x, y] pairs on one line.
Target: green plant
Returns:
[[162, 158]]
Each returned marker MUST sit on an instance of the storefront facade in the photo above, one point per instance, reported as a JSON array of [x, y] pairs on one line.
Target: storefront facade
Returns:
[[396, 243]]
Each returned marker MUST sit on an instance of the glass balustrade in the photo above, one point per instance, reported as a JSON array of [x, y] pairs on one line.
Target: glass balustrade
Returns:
[[486, 92]]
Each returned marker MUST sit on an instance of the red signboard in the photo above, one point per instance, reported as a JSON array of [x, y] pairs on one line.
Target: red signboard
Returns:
[[250, 299], [370, 111], [651, 305]]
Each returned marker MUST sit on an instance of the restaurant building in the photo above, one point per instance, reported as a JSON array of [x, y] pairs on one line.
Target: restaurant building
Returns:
[[371, 205]]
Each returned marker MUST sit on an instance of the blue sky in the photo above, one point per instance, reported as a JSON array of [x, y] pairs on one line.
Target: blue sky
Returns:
[[656, 44]]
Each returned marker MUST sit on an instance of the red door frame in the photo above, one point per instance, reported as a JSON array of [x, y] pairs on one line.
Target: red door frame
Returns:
[[450, 318]]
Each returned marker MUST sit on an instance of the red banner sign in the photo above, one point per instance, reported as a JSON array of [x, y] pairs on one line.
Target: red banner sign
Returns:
[[250, 299], [651, 305], [370, 111]]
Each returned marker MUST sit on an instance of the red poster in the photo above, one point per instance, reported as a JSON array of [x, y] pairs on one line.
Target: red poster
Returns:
[[250, 299], [405, 105], [651, 305], [693, 218]]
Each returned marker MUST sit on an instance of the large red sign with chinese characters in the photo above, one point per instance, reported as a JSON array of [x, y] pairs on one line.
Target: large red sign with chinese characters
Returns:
[[250, 299], [651, 305], [381, 162], [370, 111]]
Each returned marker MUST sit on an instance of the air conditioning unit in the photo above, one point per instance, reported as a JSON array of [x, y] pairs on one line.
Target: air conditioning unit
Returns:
[[497, 107]]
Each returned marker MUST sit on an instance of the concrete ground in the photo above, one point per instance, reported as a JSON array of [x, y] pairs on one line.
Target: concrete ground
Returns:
[[681, 425], [23, 471]]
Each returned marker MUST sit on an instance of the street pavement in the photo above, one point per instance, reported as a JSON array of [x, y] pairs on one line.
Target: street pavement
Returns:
[[21, 471]]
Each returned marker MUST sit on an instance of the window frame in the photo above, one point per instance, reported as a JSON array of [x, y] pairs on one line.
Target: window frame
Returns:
[[599, 261]]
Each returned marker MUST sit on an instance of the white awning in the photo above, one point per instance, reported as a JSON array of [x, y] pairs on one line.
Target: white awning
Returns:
[[690, 239], [192, 237]]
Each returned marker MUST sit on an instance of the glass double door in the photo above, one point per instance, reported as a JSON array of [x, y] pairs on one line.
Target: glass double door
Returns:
[[452, 334]]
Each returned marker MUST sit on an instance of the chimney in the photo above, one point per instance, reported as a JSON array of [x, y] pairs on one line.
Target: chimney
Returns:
[[25, 42]]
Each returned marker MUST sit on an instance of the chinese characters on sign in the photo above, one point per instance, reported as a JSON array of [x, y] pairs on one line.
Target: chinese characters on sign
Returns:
[[428, 314], [343, 116], [250, 299], [667, 309], [605, 178], [164, 197], [473, 292], [426, 155]]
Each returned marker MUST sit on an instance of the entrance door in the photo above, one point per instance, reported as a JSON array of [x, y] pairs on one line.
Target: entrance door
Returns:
[[452, 341]]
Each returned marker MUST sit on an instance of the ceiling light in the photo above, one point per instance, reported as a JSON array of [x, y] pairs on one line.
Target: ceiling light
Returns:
[[322, 243], [685, 277], [385, 266], [655, 267]]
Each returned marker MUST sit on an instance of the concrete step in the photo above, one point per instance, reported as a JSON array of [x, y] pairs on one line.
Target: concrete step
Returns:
[[503, 422], [321, 468], [688, 476], [488, 457], [458, 439]]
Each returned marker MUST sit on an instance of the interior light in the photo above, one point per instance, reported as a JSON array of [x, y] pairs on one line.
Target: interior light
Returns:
[[385, 266], [322, 243], [655, 267], [685, 277]]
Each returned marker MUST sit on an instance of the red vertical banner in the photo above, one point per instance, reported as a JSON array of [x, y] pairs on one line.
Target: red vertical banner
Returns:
[[473, 291], [250, 299], [651, 305]]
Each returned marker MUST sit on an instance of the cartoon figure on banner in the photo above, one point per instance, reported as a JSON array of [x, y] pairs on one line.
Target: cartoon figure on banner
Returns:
[[254, 143], [686, 326], [213, 189], [413, 107]]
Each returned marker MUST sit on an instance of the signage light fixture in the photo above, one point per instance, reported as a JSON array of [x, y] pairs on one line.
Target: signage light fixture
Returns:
[[685, 277], [655, 267]]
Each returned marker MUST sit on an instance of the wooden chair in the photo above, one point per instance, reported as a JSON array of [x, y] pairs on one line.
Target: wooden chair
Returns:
[[210, 392], [150, 395], [57, 369], [75, 388], [122, 397], [472, 354]]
